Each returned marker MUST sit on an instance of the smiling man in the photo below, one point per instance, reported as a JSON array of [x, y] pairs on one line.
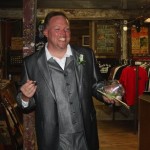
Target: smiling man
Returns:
[[66, 79]]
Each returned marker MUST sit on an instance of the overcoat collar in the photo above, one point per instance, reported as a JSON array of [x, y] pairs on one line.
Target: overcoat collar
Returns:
[[78, 70], [43, 67]]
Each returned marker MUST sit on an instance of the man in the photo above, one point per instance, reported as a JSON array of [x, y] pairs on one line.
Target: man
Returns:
[[67, 77]]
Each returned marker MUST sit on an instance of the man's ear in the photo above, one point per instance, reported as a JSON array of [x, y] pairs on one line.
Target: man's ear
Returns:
[[45, 32]]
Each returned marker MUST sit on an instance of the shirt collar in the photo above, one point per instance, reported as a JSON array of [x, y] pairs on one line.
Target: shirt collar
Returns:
[[67, 54]]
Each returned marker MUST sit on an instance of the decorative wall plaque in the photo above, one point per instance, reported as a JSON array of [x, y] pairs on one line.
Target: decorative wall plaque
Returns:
[[105, 40]]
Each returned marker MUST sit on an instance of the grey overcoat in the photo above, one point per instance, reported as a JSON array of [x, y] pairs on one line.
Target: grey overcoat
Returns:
[[47, 126]]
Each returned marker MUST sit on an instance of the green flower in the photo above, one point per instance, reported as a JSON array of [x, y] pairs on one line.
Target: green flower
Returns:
[[81, 59]]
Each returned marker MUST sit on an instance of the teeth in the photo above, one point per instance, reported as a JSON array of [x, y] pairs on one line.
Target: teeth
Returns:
[[62, 39]]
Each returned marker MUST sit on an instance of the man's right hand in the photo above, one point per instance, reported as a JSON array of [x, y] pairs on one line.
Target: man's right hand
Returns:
[[28, 89]]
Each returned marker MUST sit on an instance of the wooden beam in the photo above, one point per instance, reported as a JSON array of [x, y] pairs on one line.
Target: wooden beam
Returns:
[[11, 13], [95, 14], [84, 14], [91, 4], [29, 26]]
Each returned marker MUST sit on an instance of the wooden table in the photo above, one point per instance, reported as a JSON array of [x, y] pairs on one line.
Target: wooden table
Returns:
[[144, 122]]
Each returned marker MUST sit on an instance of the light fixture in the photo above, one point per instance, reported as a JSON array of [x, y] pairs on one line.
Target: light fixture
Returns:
[[125, 28], [147, 20]]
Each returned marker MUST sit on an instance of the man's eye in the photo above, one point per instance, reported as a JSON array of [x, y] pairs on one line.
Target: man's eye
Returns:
[[57, 29], [67, 30]]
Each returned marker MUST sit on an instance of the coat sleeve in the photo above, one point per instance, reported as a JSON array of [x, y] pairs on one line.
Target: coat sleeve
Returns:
[[97, 79], [24, 78]]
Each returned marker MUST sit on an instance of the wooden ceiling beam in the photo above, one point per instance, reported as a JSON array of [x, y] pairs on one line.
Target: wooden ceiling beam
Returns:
[[83, 14], [90, 4]]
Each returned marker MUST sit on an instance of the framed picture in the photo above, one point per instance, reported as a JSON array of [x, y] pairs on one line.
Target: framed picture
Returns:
[[139, 41], [85, 40], [105, 39]]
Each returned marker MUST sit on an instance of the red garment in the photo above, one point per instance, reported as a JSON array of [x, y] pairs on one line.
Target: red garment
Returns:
[[128, 80]]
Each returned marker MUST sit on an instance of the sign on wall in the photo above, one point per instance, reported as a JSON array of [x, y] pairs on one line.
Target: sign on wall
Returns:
[[105, 39]]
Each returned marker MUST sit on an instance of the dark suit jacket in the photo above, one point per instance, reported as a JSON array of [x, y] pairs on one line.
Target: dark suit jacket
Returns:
[[47, 125]]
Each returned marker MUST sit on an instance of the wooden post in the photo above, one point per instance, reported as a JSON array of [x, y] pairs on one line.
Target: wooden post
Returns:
[[29, 26]]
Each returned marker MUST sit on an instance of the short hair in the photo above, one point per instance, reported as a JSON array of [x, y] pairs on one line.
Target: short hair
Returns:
[[53, 14]]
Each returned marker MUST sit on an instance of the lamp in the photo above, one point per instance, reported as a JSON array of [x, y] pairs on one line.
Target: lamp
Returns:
[[147, 20], [125, 28]]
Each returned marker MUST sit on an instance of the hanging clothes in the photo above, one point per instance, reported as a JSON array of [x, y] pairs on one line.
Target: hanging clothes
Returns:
[[115, 72], [118, 72], [128, 80], [147, 67]]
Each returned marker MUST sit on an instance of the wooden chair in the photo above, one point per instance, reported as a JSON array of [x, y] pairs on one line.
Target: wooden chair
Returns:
[[12, 117]]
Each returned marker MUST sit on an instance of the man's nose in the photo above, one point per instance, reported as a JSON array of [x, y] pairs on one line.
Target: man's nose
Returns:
[[63, 32]]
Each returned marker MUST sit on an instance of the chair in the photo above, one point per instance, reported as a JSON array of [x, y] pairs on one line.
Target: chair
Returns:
[[12, 117]]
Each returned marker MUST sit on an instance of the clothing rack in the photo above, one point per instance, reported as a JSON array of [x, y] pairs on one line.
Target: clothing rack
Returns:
[[137, 62], [134, 109], [136, 99]]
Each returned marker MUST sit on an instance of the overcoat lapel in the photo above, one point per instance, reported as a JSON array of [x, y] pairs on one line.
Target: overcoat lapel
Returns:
[[78, 71], [43, 67]]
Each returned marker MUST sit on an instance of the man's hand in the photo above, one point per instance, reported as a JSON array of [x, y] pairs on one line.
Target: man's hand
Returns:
[[28, 90], [108, 100]]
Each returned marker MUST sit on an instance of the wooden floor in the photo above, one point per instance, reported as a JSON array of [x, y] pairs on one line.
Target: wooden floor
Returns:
[[117, 135], [113, 135]]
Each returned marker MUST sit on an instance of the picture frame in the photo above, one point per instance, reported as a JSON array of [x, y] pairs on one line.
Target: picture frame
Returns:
[[139, 41], [85, 40], [105, 39]]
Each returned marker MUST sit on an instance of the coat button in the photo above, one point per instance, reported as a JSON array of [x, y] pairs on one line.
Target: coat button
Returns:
[[67, 84], [65, 74]]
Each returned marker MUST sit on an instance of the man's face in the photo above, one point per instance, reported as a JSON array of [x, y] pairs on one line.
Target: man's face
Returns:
[[58, 33]]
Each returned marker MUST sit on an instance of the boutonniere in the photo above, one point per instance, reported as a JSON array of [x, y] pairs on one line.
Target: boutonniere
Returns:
[[81, 59]]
